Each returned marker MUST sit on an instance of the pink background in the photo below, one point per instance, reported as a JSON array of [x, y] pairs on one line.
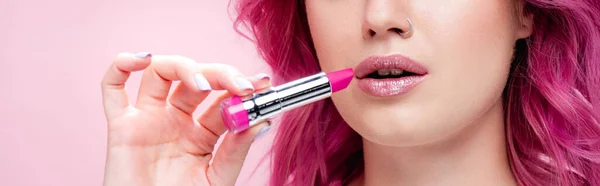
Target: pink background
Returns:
[[53, 55]]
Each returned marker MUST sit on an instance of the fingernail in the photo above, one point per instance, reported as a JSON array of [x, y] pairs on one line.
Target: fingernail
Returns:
[[143, 54], [201, 82], [244, 84], [262, 132], [262, 76]]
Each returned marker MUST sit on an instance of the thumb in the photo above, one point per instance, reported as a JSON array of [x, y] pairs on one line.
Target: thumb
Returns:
[[231, 154]]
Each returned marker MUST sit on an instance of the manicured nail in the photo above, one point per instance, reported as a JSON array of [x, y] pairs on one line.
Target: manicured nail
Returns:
[[201, 82], [262, 76], [244, 84], [143, 54], [262, 132]]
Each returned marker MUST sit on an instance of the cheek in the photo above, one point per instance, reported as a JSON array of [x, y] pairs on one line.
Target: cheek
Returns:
[[470, 35], [469, 46], [335, 27]]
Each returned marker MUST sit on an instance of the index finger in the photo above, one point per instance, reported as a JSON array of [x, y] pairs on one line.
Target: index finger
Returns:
[[219, 76], [113, 82]]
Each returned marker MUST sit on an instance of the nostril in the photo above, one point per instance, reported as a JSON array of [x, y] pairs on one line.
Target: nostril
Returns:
[[397, 30], [371, 33]]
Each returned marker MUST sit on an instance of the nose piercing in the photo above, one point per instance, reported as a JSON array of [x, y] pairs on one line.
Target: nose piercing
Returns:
[[410, 28]]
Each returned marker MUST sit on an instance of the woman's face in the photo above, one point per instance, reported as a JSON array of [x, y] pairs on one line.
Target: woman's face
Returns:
[[466, 47]]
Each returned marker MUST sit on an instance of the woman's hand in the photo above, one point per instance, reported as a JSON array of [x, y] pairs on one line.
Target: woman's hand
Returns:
[[157, 141]]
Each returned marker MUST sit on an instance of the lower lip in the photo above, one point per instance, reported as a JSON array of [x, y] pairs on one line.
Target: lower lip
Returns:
[[389, 87]]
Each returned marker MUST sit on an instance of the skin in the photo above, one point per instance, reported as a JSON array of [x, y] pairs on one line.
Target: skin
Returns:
[[448, 130]]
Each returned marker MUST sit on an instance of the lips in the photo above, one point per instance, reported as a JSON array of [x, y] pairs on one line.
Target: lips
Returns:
[[369, 80]]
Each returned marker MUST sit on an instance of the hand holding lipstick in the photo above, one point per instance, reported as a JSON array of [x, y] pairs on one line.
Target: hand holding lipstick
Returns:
[[157, 141]]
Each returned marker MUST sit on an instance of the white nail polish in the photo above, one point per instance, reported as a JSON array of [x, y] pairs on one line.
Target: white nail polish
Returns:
[[201, 82], [261, 76], [243, 84], [142, 54]]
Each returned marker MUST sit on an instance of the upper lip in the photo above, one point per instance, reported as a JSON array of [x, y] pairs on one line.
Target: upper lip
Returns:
[[374, 63]]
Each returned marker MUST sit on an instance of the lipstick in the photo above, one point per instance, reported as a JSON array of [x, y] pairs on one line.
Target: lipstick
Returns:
[[241, 113]]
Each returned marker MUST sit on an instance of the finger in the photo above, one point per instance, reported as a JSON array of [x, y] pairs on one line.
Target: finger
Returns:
[[187, 99], [231, 154], [225, 77], [261, 81], [211, 118], [210, 126], [156, 81], [114, 95]]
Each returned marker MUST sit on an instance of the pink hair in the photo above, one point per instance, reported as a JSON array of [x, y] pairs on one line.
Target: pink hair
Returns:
[[552, 99]]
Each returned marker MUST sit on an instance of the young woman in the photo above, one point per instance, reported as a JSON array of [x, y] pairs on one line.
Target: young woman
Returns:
[[471, 92]]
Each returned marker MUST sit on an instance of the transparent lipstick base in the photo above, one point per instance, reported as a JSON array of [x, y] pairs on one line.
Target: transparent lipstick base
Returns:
[[234, 115]]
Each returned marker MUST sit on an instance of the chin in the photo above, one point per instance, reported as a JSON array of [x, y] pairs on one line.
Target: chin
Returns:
[[391, 124], [393, 130], [404, 122]]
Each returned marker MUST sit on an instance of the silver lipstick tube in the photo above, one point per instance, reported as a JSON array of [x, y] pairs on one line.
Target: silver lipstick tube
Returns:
[[262, 106]]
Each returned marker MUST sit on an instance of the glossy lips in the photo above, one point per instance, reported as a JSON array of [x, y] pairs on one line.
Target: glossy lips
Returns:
[[389, 86]]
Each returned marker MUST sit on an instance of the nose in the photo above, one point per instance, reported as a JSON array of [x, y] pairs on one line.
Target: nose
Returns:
[[384, 18]]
